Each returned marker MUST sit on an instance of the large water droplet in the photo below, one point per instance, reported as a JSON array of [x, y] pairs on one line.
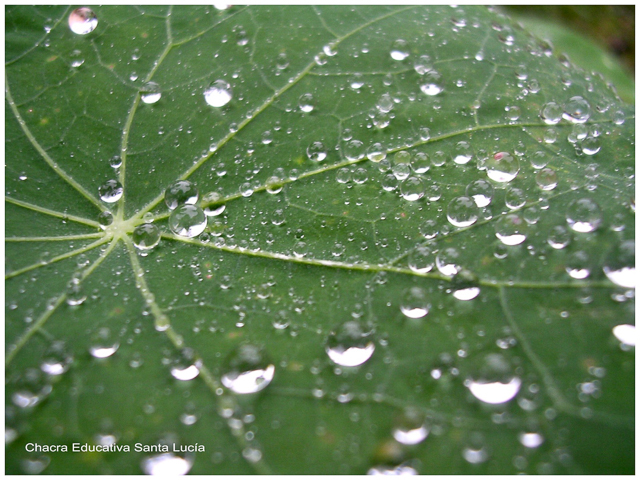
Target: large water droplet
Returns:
[[150, 93], [399, 49], [511, 229], [166, 464], [447, 261], [103, 343], [494, 380], [316, 152], [56, 359], [306, 102], [211, 206], [111, 191], [423, 64], [415, 303], [559, 237], [421, 259], [626, 334], [188, 221], [502, 167], [182, 192], [410, 427], [247, 370], [432, 83], [354, 150], [82, 21], [30, 389], [462, 212], [547, 179], [146, 236], [579, 265], [350, 345], [577, 110], [481, 191], [584, 215], [620, 264], [412, 189], [551, 113], [218, 94]]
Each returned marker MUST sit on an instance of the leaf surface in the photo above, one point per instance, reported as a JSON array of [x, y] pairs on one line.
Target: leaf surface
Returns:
[[291, 260]]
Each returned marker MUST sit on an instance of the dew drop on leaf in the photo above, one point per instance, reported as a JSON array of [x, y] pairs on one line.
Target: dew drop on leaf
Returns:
[[423, 64], [399, 50], [83, 21], [103, 343], [410, 427], [412, 189], [577, 110], [350, 344], [502, 167], [421, 259], [462, 212], [376, 153], [625, 334], [150, 93], [188, 221], [432, 83], [481, 191], [316, 152], [146, 236], [105, 219], [511, 229], [247, 370], [111, 191], [584, 215], [306, 102], [551, 113], [415, 303], [447, 261], [218, 94], [181, 192], [547, 179], [56, 359], [493, 380], [559, 237]]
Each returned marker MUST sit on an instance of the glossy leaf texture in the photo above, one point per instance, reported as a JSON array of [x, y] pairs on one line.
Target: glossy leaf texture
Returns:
[[443, 302]]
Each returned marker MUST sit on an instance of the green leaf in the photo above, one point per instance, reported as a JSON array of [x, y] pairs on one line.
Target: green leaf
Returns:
[[339, 254]]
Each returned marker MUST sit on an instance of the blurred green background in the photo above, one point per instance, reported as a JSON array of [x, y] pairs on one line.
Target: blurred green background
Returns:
[[595, 37]]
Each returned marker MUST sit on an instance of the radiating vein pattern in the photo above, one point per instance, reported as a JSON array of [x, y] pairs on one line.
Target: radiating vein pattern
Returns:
[[313, 240]]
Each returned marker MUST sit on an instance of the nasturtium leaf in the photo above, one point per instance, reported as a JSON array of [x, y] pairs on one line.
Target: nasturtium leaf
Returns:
[[356, 301]]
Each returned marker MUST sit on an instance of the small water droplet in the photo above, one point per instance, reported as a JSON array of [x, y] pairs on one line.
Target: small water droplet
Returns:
[[412, 189], [421, 259], [410, 427], [432, 85], [559, 237], [166, 464], [103, 343], [105, 219], [423, 64], [547, 179], [399, 49], [462, 212], [625, 334], [150, 93], [511, 230], [306, 102], [146, 236], [56, 359], [218, 94], [247, 370], [530, 439], [83, 21], [551, 113], [75, 294], [181, 192], [577, 110], [481, 191], [316, 152], [415, 303], [584, 215], [447, 261], [354, 150], [493, 380], [350, 344], [211, 206], [376, 153], [356, 81], [502, 167]]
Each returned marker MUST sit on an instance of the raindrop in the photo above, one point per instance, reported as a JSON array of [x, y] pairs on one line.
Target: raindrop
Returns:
[[530, 439], [111, 191], [146, 236], [462, 153], [389, 183], [399, 49], [75, 294], [103, 344], [343, 175], [188, 221], [481, 191], [547, 179], [559, 237], [420, 162], [247, 370], [551, 113], [105, 219], [438, 159], [410, 427], [494, 380], [184, 367], [350, 345], [316, 152], [539, 160], [432, 85], [462, 212], [360, 176], [429, 229], [401, 171], [385, 103], [282, 61], [56, 359], [211, 206], [590, 145], [306, 102], [578, 265], [412, 189], [466, 293], [166, 464], [577, 110], [218, 94], [356, 81], [82, 21], [115, 161], [421, 259], [376, 153], [388, 470], [182, 192], [584, 215], [150, 93], [423, 64], [414, 303], [475, 452], [511, 229], [425, 133], [502, 167], [30, 389], [515, 198], [447, 261], [619, 265], [625, 334], [354, 150]]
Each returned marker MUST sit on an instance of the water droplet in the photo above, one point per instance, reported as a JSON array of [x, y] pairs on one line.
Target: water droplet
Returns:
[[578, 265], [75, 294], [619, 265], [551, 113], [211, 206], [432, 85], [547, 179], [360, 175], [146, 236], [415, 303], [116, 161], [184, 367], [512, 113], [590, 145], [423, 64], [182, 192], [511, 229], [502, 167], [247, 370], [577, 110], [282, 61], [421, 259], [343, 175], [56, 359], [356, 81], [420, 162], [111, 191], [462, 212], [559, 237], [166, 464], [399, 49], [385, 103], [306, 102], [462, 153], [105, 219], [103, 344], [316, 152], [188, 221], [429, 229], [150, 93], [278, 217], [475, 452], [354, 150], [350, 344], [438, 159], [530, 439], [481, 191], [410, 427], [83, 21], [493, 380], [466, 292], [625, 334], [389, 470], [584, 215], [218, 94], [30, 389], [412, 189], [376, 153], [447, 261]]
